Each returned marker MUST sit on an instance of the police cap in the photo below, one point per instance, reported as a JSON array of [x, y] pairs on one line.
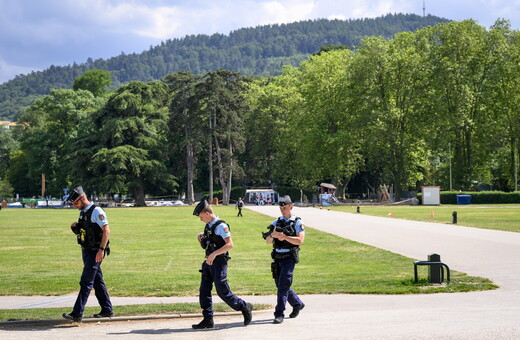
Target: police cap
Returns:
[[202, 204], [76, 192], [285, 200]]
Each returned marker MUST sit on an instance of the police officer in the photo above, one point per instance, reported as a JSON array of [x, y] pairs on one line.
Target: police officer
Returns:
[[93, 234], [287, 234], [239, 206], [216, 240]]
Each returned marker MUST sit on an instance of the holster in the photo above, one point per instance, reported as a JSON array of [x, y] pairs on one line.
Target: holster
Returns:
[[275, 270]]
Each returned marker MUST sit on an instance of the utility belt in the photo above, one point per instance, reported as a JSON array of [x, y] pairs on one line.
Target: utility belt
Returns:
[[277, 257], [294, 254], [211, 247]]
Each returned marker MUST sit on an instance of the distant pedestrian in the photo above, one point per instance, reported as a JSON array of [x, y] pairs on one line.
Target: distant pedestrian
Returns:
[[216, 240], [286, 235], [93, 234], [239, 206]]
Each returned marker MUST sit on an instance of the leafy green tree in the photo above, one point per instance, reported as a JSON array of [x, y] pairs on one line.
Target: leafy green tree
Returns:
[[388, 82], [223, 102], [6, 190], [505, 94], [463, 62], [131, 133], [53, 123], [95, 81], [328, 133], [7, 145], [18, 175], [187, 125]]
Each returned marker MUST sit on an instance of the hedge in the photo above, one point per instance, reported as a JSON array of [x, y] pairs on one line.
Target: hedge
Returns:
[[479, 197]]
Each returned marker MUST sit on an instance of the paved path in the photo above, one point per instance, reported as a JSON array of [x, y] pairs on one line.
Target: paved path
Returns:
[[477, 315]]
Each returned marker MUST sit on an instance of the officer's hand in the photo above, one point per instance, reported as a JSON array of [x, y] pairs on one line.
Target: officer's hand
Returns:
[[100, 255], [210, 259], [73, 225], [278, 235], [199, 237]]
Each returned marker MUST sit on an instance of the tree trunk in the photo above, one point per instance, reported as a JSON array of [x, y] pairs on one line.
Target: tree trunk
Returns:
[[221, 174], [210, 160], [190, 160], [138, 191]]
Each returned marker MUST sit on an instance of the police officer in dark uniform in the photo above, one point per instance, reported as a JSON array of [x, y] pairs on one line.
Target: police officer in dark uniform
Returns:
[[93, 234], [286, 234], [216, 240], [239, 206]]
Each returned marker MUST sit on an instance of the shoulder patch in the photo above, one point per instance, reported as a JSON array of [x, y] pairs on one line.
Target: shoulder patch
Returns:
[[226, 230], [101, 217]]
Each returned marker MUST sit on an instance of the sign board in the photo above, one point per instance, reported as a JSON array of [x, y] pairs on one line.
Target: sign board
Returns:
[[431, 195]]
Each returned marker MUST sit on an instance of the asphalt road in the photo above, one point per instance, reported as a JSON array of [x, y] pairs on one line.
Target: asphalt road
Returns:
[[477, 315]]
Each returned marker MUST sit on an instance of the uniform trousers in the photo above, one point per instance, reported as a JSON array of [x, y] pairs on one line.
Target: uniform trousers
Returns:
[[283, 283], [217, 274], [92, 277]]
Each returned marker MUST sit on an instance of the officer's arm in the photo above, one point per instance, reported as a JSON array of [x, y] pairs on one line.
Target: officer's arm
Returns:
[[296, 240], [222, 250], [104, 242], [105, 237]]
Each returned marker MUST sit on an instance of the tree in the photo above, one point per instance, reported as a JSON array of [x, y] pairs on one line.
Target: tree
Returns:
[[132, 138], [326, 127], [6, 190], [53, 123], [7, 145], [463, 62], [95, 81], [186, 123], [388, 82], [222, 101]]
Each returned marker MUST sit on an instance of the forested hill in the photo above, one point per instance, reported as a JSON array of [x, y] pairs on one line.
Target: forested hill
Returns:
[[261, 50]]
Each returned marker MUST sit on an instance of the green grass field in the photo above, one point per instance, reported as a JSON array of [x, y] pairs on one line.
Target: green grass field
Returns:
[[505, 217], [155, 253]]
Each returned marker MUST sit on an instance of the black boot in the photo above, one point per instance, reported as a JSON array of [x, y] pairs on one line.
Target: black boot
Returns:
[[207, 322], [296, 310], [248, 314]]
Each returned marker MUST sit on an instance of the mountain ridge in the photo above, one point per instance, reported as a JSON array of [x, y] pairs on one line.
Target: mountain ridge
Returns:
[[260, 50]]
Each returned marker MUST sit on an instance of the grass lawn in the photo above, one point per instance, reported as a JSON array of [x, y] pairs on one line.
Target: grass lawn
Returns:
[[505, 217], [129, 310], [155, 253]]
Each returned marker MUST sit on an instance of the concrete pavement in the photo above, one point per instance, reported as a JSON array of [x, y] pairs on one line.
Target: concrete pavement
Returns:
[[478, 315]]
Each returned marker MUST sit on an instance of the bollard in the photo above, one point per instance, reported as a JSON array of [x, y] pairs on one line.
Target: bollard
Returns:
[[454, 215], [434, 270]]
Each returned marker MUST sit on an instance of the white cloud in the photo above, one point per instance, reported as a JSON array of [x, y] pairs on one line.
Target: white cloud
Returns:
[[9, 71], [35, 34]]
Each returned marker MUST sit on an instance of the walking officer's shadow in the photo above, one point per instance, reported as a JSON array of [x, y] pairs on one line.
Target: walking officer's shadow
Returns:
[[191, 330]]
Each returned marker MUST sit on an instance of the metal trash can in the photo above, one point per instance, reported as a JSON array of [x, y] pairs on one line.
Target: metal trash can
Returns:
[[463, 199]]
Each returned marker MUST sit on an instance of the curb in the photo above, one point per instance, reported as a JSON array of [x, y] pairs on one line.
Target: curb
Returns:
[[53, 322]]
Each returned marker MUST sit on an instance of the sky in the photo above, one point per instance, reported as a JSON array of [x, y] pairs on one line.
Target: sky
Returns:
[[35, 34]]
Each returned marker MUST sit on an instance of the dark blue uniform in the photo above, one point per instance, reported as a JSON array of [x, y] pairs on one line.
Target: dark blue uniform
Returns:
[[217, 274], [284, 262], [92, 276]]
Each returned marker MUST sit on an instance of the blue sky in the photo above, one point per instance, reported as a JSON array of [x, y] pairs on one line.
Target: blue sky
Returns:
[[35, 34]]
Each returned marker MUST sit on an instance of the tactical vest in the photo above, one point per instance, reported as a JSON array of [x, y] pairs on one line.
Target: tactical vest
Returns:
[[90, 234], [289, 229], [212, 240]]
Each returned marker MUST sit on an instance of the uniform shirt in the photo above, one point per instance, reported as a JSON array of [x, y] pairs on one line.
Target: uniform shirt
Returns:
[[98, 215], [222, 229], [298, 226]]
